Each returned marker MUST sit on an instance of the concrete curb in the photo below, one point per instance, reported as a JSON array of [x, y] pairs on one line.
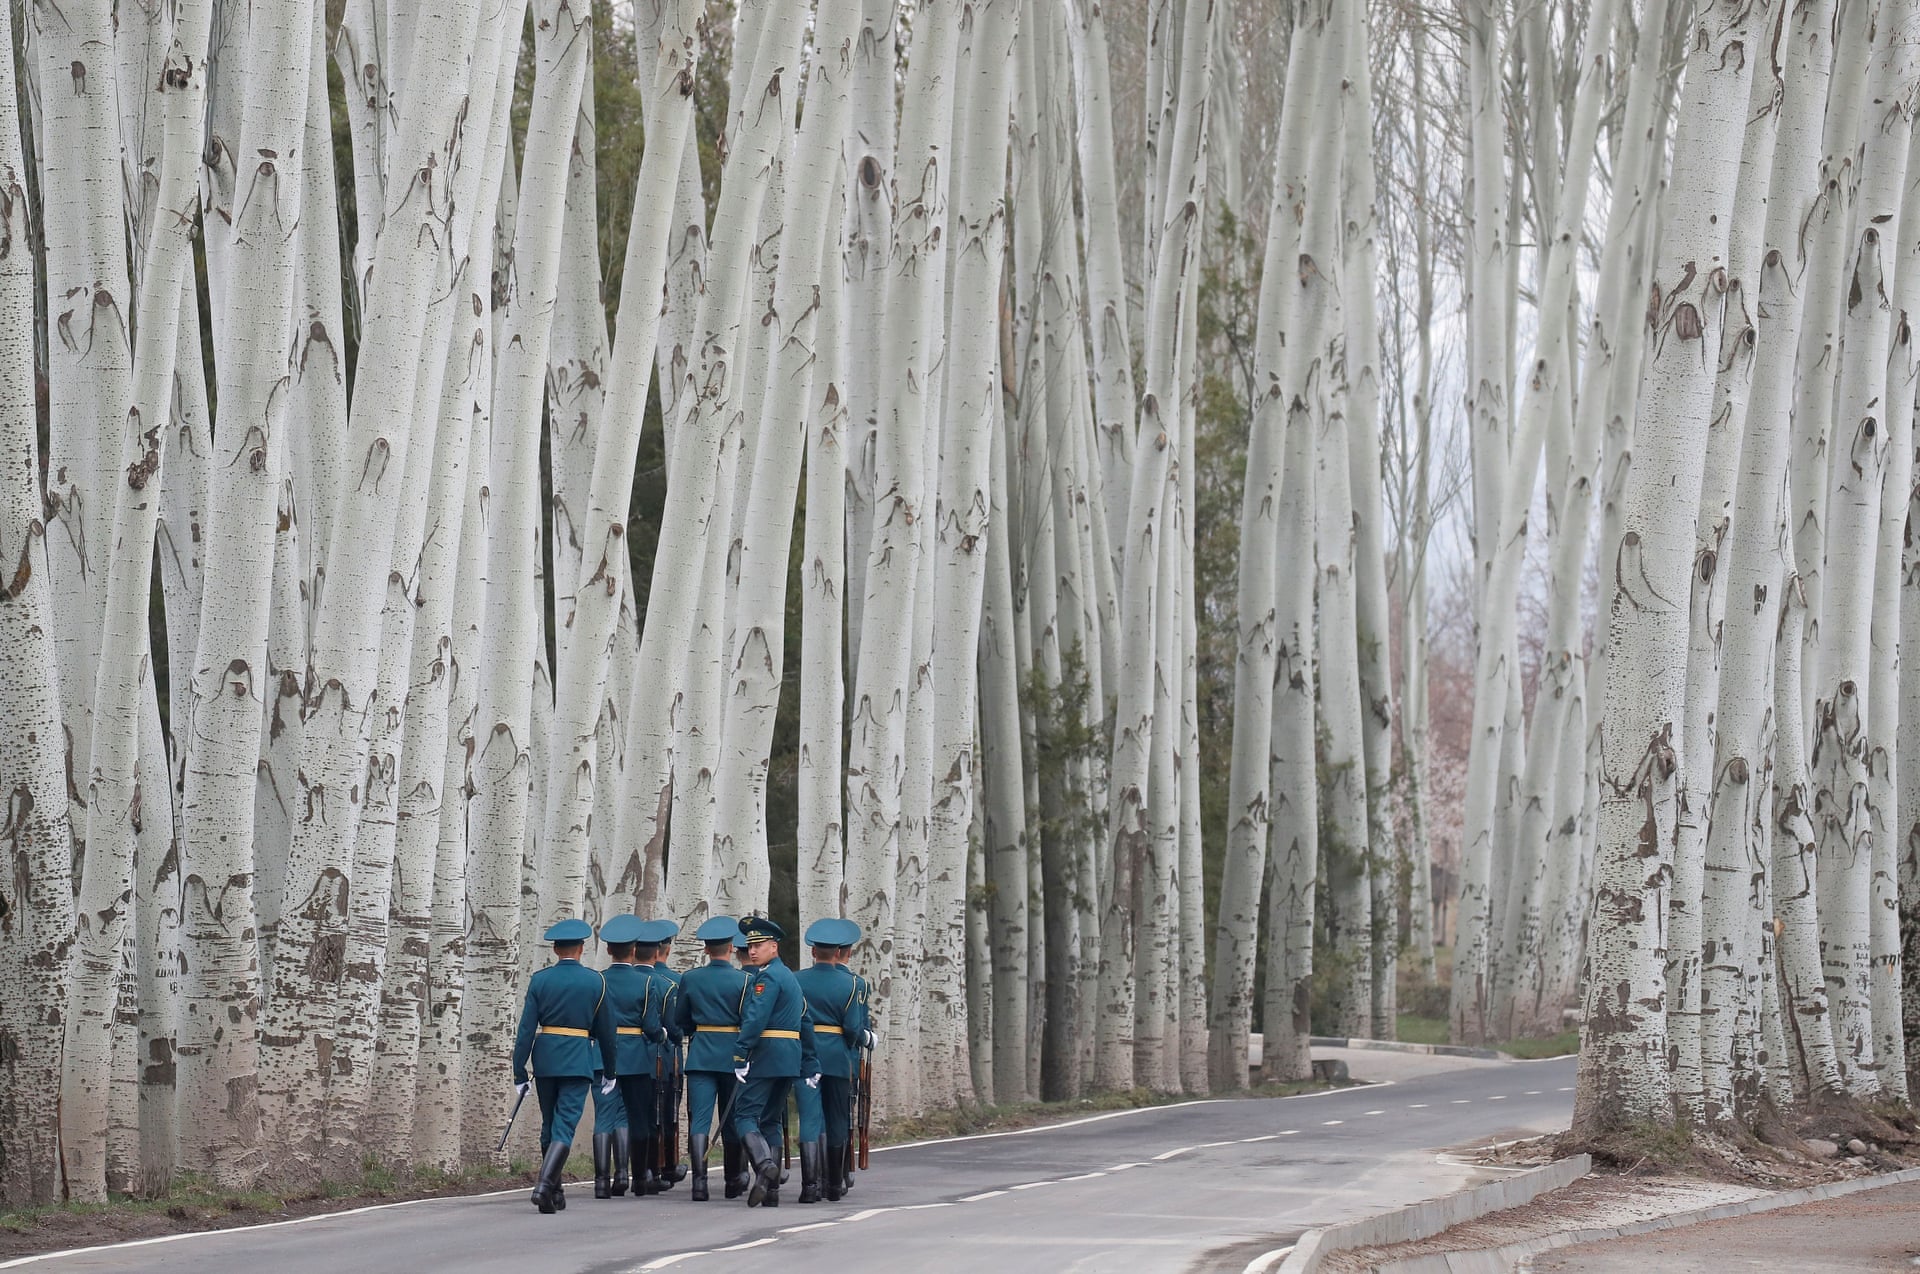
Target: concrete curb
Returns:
[[1395, 1046], [1424, 1220]]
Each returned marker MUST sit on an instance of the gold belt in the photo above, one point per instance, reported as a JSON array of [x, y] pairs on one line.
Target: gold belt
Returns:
[[730, 1030], [626, 1030], [828, 1030], [566, 1030], [779, 1035]]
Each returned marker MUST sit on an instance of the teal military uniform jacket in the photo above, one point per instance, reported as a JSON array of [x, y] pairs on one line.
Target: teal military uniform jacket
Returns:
[[668, 982], [564, 1017], [837, 1003], [633, 1000], [709, 997], [776, 1035]]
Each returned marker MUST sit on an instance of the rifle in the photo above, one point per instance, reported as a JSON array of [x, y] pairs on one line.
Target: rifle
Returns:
[[866, 1104], [679, 1085], [508, 1130]]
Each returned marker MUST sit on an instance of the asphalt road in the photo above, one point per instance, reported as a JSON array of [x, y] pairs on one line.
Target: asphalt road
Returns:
[[1204, 1186]]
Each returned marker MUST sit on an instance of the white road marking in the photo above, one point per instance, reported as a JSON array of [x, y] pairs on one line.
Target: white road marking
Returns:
[[1463, 1101], [1267, 1260], [741, 1247], [1247, 1141], [1534, 1092], [1566, 1090], [1419, 1105], [1290, 1132], [1085, 1176], [1030, 1185], [975, 1198], [1501, 1097], [861, 1216], [1333, 1123], [914, 1207], [1071, 1123], [1122, 1167], [1376, 1112], [239, 1229], [1172, 1154], [817, 1225], [675, 1259]]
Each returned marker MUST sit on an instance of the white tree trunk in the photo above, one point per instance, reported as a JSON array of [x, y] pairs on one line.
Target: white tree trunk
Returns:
[[36, 920], [1291, 319], [301, 1021], [1856, 471], [104, 903], [867, 234], [219, 1118], [757, 644], [597, 582], [1148, 532], [916, 266], [1624, 1043]]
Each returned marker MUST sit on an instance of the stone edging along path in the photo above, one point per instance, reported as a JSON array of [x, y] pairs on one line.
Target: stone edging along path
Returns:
[[1424, 1220]]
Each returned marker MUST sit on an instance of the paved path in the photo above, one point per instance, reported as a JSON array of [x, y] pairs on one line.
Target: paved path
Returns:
[[1871, 1230], [1203, 1186]]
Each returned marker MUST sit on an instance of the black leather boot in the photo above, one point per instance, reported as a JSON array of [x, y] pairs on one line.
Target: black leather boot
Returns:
[[813, 1155], [697, 1158], [602, 1165], [733, 1172], [622, 1153], [765, 1184], [643, 1167], [547, 1184], [836, 1173]]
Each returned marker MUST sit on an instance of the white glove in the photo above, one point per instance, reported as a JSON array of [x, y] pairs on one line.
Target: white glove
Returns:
[[607, 1086], [520, 1089], [740, 1073], [813, 1081], [867, 1039]]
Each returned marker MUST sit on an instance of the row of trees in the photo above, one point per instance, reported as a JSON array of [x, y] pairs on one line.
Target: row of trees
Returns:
[[536, 511], [346, 363]]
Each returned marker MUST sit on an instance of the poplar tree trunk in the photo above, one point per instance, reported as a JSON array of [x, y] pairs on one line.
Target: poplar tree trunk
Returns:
[[37, 919], [1856, 472], [218, 1078], [1291, 316], [1624, 1042]]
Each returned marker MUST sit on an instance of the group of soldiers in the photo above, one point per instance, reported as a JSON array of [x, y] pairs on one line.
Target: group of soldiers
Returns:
[[751, 1033]]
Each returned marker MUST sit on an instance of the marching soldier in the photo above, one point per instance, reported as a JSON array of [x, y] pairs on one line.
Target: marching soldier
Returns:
[[708, 1017], [775, 1048], [664, 1154], [634, 996], [837, 1003], [564, 1018], [610, 1140]]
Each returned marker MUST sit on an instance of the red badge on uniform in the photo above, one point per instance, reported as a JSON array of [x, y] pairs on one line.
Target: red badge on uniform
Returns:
[[758, 987]]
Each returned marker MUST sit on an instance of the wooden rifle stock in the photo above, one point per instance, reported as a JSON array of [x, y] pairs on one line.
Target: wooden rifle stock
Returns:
[[866, 1105]]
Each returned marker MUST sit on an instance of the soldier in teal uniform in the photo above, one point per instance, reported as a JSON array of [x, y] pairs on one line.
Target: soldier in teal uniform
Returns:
[[565, 1017], [708, 1015], [634, 998], [664, 1150], [837, 1003], [775, 1048]]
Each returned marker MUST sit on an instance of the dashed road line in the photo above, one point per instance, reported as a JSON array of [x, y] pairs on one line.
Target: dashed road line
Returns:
[[976, 1198], [1333, 1123]]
